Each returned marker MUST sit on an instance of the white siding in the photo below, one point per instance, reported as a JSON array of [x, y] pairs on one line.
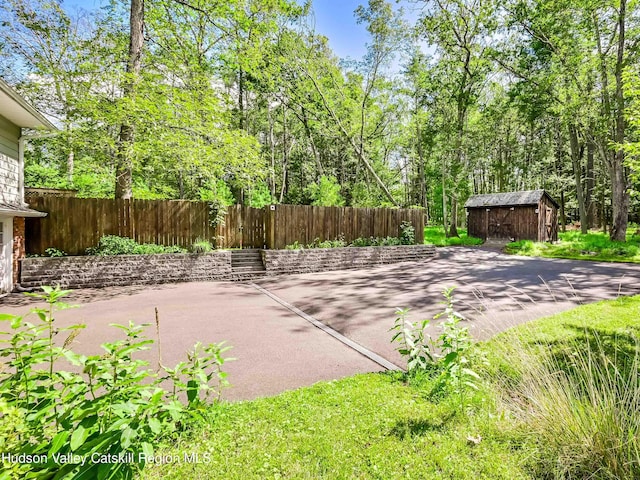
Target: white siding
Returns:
[[6, 259], [9, 180]]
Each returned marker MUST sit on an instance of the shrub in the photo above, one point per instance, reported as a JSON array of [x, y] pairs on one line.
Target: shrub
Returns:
[[54, 252], [407, 233], [337, 243], [375, 242], [294, 246], [115, 245], [115, 406], [201, 246], [340, 242]]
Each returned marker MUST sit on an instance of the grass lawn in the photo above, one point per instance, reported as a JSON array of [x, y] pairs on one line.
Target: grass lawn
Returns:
[[383, 426], [574, 245], [435, 236]]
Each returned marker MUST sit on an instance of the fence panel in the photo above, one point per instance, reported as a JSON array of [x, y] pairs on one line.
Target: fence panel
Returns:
[[74, 224], [303, 223]]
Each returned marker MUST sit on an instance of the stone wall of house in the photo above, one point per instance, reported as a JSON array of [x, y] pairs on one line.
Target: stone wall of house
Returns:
[[18, 246], [324, 259], [97, 271]]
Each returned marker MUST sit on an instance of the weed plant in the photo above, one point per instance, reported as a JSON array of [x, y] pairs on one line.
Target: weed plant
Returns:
[[115, 409], [449, 359]]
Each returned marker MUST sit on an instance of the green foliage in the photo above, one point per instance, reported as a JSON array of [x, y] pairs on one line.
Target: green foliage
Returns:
[[449, 356], [407, 233], [436, 236], [376, 242], [571, 384], [456, 354], [340, 242], [294, 246], [414, 344], [325, 192], [217, 192], [259, 196], [54, 252], [201, 246], [111, 405], [574, 245], [115, 245]]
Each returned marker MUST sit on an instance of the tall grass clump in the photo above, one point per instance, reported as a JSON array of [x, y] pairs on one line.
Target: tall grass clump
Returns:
[[579, 401]]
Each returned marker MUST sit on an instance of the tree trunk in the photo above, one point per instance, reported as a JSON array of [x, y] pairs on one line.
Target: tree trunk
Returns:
[[124, 154], [453, 229], [563, 215], [576, 162], [70, 164], [619, 180], [588, 198]]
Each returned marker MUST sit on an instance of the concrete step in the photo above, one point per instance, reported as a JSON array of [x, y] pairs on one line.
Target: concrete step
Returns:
[[246, 262]]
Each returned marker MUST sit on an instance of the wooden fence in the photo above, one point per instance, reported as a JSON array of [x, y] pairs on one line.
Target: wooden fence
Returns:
[[74, 224], [286, 224]]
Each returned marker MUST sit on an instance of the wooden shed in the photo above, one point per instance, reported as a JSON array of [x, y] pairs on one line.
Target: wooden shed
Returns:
[[527, 215]]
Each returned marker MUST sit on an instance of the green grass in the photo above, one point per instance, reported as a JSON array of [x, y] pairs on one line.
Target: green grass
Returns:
[[435, 236], [381, 426], [574, 245]]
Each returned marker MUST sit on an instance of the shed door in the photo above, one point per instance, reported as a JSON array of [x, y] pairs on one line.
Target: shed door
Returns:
[[6, 231], [500, 223], [551, 225]]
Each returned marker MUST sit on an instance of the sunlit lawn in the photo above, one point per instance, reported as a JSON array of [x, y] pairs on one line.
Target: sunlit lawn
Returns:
[[435, 236], [574, 245]]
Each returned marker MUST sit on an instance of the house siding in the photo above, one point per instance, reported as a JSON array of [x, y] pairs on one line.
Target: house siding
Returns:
[[9, 171]]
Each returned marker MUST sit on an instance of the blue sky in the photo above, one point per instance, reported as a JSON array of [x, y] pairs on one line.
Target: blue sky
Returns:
[[333, 19]]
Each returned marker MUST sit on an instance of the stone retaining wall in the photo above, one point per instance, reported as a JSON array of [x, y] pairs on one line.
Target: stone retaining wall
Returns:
[[97, 271], [323, 259], [90, 271]]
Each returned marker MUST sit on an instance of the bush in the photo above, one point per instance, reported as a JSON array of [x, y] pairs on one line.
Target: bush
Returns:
[[340, 242], [201, 246], [114, 407], [115, 245], [376, 242], [54, 252], [407, 233]]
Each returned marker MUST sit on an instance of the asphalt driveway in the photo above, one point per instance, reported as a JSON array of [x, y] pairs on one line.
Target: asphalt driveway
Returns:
[[277, 349], [493, 291]]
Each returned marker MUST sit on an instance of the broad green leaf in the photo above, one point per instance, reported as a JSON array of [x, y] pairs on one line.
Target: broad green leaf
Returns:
[[78, 437]]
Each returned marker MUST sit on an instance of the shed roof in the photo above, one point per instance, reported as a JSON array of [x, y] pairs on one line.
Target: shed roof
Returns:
[[511, 199]]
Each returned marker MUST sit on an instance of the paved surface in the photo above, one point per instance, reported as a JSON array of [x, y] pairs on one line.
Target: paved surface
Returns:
[[277, 350], [494, 291]]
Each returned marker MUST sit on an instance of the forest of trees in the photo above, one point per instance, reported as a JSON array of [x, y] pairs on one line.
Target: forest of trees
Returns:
[[241, 101]]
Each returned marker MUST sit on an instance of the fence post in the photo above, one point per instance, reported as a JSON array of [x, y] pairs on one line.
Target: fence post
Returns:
[[270, 226]]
